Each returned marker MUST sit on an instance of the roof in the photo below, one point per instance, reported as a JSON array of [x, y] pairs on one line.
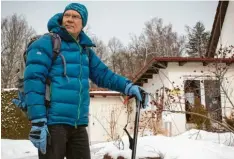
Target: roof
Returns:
[[93, 92], [161, 63], [97, 89], [216, 28], [102, 92]]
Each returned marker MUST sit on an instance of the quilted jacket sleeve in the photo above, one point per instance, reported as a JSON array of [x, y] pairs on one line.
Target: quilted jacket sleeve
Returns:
[[102, 76], [36, 70]]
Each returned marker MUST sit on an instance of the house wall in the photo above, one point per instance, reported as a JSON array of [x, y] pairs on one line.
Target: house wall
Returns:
[[228, 85], [100, 107], [101, 117], [177, 74], [227, 33], [156, 83]]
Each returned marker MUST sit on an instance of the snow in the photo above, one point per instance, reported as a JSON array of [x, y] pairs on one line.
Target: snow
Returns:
[[9, 89], [219, 138], [17, 149], [189, 145], [180, 147], [105, 92]]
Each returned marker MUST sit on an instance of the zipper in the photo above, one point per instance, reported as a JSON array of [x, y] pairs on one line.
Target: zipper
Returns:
[[80, 82], [79, 78]]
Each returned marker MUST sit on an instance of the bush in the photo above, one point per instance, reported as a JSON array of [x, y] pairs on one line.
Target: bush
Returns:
[[14, 123], [230, 120], [200, 121]]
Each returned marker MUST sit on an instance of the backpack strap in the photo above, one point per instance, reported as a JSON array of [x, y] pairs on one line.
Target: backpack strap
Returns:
[[56, 44], [34, 38], [56, 41]]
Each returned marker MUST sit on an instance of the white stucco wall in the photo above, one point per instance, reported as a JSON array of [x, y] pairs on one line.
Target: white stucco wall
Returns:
[[101, 106], [227, 34], [228, 85], [157, 82], [100, 116], [178, 74]]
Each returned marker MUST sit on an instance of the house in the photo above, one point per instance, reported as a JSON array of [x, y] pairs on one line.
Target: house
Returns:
[[208, 80], [222, 31], [181, 81], [108, 115], [177, 82]]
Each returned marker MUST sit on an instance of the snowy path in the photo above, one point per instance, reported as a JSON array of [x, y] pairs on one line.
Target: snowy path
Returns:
[[205, 145]]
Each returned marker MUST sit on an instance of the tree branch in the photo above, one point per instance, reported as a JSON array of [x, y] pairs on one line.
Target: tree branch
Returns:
[[184, 112], [224, 91]]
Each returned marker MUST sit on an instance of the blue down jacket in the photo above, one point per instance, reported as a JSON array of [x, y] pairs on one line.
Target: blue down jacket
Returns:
[[69, 88]]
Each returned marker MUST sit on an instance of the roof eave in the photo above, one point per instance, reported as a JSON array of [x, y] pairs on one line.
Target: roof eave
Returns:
[[217, 27]]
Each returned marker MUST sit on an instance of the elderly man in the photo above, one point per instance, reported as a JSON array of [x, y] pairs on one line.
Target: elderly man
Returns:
[[60, 129]]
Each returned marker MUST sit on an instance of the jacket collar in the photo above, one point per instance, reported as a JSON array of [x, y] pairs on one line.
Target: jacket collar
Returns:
[[54, 25]]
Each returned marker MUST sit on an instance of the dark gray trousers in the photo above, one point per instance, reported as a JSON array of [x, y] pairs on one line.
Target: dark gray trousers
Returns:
[[67, 141]]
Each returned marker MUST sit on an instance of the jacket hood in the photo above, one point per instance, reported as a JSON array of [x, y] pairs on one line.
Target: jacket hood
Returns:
[[54, 25]]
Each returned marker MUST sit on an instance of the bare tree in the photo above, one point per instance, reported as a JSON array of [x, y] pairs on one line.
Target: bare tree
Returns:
[[136, 54], [15, 34], [130, 60], [145, 52], [156, 40], [101, 49], [161, 39], [115, 46]]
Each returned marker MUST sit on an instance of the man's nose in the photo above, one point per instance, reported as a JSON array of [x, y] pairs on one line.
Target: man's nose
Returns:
[[70, 19]]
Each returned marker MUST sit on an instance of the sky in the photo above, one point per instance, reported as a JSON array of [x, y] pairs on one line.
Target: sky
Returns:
[[119, 19]]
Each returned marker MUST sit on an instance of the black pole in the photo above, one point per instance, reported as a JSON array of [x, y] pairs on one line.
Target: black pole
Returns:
[[136, 125]]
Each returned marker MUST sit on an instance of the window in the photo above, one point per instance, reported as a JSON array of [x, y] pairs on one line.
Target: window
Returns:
[[192, 95], [213, 99]]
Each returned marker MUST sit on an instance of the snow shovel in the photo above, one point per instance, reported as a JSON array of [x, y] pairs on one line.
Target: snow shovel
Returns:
[[133, 141]]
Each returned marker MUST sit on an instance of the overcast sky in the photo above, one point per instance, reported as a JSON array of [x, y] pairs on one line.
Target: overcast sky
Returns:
[[119, 19]]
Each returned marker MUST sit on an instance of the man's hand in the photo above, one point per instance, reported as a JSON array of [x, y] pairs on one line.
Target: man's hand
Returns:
[[20, 102], [133, 90], [138, 92], [38, 134]]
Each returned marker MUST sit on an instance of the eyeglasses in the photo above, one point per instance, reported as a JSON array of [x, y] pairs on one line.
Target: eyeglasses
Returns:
[[74, 17]]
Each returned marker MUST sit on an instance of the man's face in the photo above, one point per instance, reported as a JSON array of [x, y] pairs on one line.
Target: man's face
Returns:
[[72, 22]]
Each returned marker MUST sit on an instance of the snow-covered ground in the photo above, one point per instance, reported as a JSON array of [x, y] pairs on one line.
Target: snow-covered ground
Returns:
[[189, 145]]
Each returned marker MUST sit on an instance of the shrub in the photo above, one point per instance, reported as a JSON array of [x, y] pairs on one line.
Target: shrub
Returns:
[[230, 120], [200, 121], [14, 123]]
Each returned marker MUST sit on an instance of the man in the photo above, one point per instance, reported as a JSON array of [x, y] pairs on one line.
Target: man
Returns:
[[60, 129]]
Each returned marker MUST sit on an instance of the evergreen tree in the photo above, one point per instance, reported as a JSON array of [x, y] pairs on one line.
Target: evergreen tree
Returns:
[[198, 40]]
